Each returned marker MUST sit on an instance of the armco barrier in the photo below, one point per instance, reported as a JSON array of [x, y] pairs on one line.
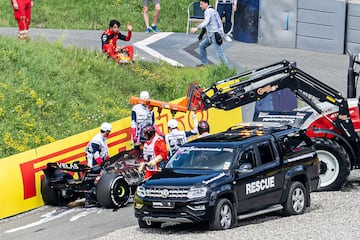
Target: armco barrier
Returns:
[[20, 175]]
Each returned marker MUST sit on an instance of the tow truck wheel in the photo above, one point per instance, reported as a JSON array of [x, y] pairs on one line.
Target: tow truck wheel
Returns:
[[148, 224], [224, 216], [296, 200], [334, 164], [112, 191]]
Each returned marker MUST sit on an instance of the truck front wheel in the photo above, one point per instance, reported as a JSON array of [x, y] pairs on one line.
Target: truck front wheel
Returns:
[[334, 164], [224, 215]]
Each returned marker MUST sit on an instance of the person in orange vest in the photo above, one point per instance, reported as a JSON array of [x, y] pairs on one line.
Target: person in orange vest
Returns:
[[22, 14]]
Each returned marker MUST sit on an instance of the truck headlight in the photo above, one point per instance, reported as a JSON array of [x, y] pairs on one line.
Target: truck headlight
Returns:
[[140, 191], [197, 192]]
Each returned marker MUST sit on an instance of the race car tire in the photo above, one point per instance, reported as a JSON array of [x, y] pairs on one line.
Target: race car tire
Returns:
[[112, 191], [334, 164], [224, 215], [296, 200], [51, 196], [148, 224]]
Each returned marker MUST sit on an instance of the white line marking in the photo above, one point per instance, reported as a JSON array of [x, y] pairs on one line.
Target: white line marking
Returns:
[[57, 213], [143, 45], [85, 213]]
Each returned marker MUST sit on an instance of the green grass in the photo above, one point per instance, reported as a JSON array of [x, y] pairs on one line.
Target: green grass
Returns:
[[95, 15], [48, 92]]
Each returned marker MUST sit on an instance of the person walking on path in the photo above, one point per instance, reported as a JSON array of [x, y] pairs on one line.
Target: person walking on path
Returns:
[[152, 27], [214, 33], [22, 14]]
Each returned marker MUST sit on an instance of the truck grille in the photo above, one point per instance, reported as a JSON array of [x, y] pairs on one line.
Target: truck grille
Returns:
[[177, 193]]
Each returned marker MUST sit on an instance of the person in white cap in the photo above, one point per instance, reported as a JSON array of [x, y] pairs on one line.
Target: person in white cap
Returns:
[[97, 149], [175, 138], [141, 116]]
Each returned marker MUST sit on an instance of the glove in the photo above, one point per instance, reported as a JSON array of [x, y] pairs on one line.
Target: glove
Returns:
[[203, 31], [98, 160], [141, 167], [156, 160], [107, 157]]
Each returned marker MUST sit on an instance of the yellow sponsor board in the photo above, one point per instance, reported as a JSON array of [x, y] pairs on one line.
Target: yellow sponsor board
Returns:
[[21, 174]]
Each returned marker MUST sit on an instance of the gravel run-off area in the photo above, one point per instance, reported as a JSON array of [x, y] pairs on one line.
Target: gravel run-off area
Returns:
[[332, 215]]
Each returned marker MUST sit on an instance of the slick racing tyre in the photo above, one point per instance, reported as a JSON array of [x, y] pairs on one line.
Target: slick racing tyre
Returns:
[[296, 200], [49, 195], [334, 164], [52, 196], [112, 191]]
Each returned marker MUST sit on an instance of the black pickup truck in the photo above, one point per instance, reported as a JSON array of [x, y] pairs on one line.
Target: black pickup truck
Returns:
[[225, 177]]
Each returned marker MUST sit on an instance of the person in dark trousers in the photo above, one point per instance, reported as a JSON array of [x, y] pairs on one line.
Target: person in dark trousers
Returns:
[[214, 30]]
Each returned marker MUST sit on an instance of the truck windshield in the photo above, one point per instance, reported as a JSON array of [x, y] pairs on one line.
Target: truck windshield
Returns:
[[215, 158]]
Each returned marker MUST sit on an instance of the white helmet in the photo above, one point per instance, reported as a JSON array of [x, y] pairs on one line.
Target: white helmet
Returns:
[[172, 123], [144, 95], [106, 127]]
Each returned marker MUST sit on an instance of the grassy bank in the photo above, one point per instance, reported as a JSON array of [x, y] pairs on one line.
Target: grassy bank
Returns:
[[95, 15], [48, 92]]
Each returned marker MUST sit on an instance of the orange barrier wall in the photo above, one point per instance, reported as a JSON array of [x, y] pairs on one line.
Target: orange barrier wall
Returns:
[[20, 175]]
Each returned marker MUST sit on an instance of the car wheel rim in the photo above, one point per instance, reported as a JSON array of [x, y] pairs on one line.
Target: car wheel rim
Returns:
[[225, 216], [120, 191], [298, 200], [330, 167]]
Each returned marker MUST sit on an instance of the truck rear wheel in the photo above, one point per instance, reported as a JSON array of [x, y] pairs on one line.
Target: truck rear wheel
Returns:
[[112, 191], [224, 215], [334, 164], [296, 200]]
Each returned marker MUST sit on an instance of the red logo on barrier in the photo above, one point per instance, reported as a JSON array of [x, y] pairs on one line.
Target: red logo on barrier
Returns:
[[28, 169]]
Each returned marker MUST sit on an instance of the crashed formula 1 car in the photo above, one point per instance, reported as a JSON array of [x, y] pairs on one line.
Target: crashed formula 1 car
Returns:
[[109, 185]]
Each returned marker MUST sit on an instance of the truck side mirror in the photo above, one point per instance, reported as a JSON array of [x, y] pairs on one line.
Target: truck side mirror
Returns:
[[245, 168]]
